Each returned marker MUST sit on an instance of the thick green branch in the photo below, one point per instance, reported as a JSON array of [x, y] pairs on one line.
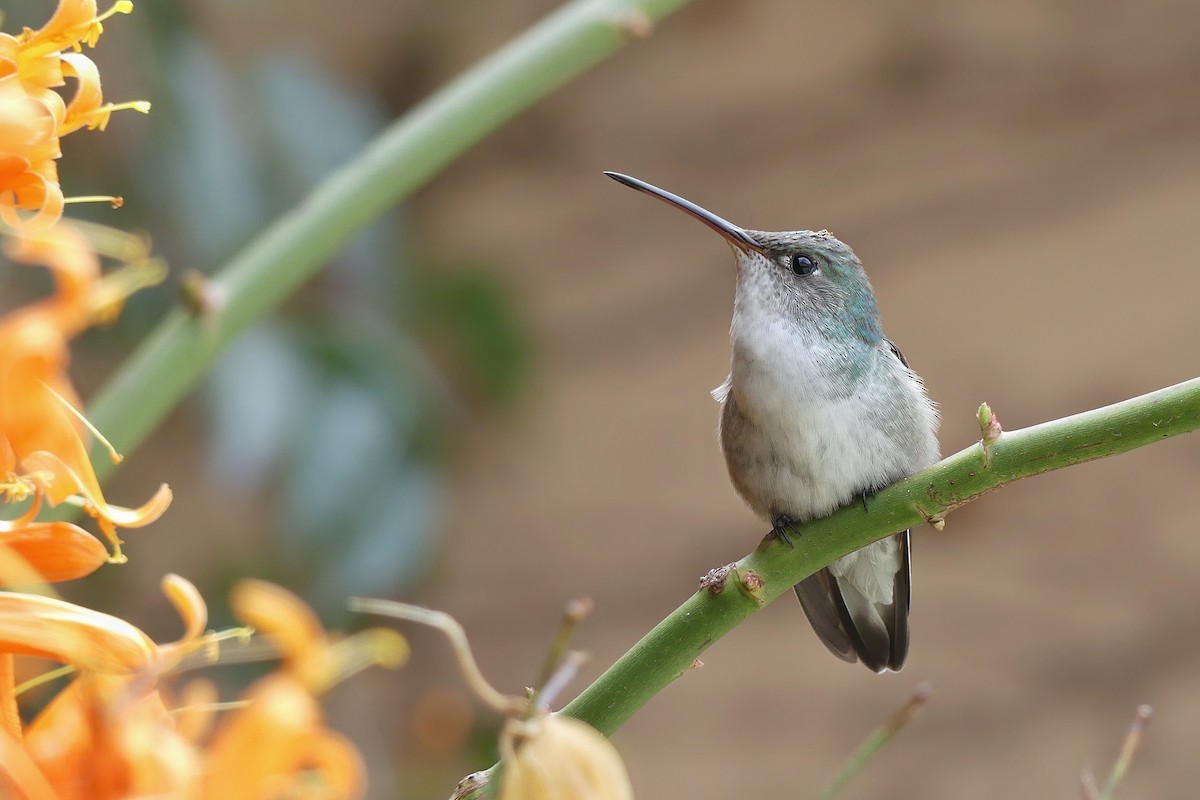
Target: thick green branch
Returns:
[[403, 158], [737, 591], [678, 640]]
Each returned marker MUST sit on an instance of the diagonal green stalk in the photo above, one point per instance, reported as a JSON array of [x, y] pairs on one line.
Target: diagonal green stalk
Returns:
[[875, 742], [1128, 748], [729, 595], [404, 157]]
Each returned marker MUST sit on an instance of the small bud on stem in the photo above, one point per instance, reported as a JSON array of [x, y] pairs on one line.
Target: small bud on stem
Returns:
[[990, 429]]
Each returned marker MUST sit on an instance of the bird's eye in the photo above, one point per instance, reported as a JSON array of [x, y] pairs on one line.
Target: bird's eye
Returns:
[[803, 265]]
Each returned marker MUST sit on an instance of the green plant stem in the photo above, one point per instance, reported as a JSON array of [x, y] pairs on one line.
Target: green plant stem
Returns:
[[1128, 749], [737, 591], [180, 351], [875, 742]]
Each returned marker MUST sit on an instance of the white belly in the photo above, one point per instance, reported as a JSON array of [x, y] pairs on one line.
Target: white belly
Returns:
[[804, 455]]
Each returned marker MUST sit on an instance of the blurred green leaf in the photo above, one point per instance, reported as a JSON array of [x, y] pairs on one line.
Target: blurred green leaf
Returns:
[[256, 394], [471, 311]]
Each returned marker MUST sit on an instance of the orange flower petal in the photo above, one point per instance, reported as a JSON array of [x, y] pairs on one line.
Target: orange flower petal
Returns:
[[278, 614], [187, 601], [61, 631], [20, 778], [10, 718], [28, 177], [26, 125], [109, 738], [10, 51], [192, 609], [87, 98], [61, 738], [73, 262], [141, 516], [33, 192], [8, 459], [65, 480], [256, 745], [195, 712], [59, 551], [71, 21], [160, 762], [323, 667], [336, 762]]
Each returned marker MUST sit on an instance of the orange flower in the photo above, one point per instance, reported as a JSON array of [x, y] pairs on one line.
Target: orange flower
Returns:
[[73, 21], [114, 732], [33, 115], [28, 148], [278, 741], [42, 447], [277, 745], [110, 733], [107, 738]]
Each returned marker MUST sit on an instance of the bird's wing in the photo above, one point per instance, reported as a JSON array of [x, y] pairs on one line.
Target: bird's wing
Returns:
[[816, 595], [855, 627], [896, 352]]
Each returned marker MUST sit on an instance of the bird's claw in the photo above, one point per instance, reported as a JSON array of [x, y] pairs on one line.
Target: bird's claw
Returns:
[[784, 524]]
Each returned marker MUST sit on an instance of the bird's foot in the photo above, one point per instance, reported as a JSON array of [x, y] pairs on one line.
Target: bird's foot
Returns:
[[784, 524], [868, 494]]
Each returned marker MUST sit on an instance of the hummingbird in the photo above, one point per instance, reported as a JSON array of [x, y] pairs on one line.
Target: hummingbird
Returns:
[[820, 409]]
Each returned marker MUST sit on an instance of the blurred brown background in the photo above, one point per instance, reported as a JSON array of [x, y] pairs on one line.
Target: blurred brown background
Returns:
[[1022, 183]]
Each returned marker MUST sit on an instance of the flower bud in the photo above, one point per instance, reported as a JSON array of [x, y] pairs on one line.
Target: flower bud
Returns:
[[560, 758]]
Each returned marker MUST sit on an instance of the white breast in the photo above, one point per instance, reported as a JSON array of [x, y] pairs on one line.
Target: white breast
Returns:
[[812, 438]]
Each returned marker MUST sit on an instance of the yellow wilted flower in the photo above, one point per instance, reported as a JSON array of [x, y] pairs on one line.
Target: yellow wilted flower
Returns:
[[559, 758]]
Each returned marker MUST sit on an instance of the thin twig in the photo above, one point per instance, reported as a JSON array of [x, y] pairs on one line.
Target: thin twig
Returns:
[[574, 613], [568, 667], [1128, 749], [458, 640], [876, 742]]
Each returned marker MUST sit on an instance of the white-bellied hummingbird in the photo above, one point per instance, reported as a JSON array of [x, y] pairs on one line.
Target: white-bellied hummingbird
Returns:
[[820, 410]]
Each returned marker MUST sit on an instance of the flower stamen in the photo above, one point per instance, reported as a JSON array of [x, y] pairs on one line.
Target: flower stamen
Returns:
[[116, 457], [342, 659], [45, 677], [113, 200], [98, 117], [18, 488], [109, 292], [225, 705], [119, 7], [119, 245], [96, 28]]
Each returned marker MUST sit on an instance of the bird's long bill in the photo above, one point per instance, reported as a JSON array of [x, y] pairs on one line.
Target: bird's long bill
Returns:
[[732, 233]]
